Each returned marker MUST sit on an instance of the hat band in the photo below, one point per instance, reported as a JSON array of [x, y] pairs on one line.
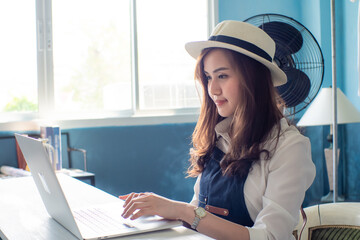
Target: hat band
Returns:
[[242, 44]]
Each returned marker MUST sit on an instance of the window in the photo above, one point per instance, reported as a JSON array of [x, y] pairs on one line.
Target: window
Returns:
[[92, 55], [166, 76], [98, 58], [18, 75]]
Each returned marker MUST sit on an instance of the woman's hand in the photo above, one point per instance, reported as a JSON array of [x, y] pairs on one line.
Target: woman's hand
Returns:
[[142, 204]]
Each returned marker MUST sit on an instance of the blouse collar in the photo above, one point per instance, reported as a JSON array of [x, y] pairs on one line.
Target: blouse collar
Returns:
[[222, 129]]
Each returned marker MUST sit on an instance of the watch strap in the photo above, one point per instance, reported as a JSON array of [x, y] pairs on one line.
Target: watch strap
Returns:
[[195, 223], [198, 217]]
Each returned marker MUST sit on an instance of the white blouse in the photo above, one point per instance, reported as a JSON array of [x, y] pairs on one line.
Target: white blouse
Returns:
[[274, 189]]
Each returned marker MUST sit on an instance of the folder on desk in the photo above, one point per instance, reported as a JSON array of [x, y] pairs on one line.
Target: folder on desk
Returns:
[[90, 222]]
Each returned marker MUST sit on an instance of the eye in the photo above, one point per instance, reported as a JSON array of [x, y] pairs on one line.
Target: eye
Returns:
[[207, 78], [222, 76]]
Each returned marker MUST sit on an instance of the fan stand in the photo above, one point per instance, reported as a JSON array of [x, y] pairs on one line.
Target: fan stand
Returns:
[[334, 126]]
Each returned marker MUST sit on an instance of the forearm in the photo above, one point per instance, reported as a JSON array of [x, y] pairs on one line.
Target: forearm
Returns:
[[212, 225]]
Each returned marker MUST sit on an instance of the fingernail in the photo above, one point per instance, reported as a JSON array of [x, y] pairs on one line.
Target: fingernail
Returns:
[[124, 197]]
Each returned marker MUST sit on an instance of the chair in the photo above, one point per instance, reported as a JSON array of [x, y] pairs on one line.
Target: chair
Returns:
[[298, 232], [67, 149], [77, 173], [340, 221]]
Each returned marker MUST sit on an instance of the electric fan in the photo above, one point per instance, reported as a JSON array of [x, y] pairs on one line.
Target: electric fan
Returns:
[[298, 54]]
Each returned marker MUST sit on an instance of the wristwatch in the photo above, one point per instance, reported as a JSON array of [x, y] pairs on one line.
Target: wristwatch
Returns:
[[200, 213]]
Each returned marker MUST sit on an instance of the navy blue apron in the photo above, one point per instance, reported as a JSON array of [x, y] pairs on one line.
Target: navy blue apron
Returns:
[[223, 195]]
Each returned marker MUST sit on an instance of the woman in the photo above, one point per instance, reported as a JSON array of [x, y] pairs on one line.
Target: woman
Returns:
[[252, 168]]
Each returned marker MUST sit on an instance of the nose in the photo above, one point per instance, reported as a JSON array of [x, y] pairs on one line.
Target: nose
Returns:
[[214, 88]]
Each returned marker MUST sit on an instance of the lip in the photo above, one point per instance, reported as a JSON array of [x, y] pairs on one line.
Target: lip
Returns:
[[219, 102]]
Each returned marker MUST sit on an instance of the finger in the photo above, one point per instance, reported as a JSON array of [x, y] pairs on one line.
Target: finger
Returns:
[[136, 198], [130, 197], [130, 208], [140, 213], [128, 211], [124, 197]]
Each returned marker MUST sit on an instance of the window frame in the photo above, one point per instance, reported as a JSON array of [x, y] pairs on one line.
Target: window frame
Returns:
[[45, 114]]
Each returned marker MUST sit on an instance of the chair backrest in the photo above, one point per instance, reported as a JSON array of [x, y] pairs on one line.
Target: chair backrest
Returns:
[[304, 217], [338, 221], [334, 232], [332, 221], [309, 217]]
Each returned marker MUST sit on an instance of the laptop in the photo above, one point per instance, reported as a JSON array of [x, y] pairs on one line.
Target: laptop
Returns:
[[100, 221]]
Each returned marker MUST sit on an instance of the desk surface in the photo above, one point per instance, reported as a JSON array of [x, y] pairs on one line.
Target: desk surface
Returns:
[[23, 214]]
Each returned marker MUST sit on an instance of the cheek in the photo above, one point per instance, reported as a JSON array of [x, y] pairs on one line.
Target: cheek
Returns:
[[209, 93], [234, 92]]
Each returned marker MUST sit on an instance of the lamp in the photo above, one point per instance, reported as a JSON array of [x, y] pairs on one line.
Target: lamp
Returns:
[[320, 112]]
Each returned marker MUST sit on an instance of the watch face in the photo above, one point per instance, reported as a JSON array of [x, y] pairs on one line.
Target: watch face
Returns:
[[200, 212]]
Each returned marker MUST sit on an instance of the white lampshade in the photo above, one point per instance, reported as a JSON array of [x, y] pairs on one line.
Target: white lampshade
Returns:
[[320, 111]]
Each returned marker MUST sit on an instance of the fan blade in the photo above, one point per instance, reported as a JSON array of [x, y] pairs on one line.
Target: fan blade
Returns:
[[296, 89], [287, 38]]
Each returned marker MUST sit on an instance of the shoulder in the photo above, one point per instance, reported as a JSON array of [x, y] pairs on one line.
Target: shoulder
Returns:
[[288, 135], [291, 148]]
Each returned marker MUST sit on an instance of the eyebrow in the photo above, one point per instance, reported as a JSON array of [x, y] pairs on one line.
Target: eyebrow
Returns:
[[218, 69]]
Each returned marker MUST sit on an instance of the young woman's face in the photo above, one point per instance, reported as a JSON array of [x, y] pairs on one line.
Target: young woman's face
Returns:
[[223, 81]]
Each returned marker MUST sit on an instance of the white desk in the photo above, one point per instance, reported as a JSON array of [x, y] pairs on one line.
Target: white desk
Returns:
[[23, 214]]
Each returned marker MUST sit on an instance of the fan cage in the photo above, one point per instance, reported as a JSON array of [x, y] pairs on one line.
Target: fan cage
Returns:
[[308, 58]]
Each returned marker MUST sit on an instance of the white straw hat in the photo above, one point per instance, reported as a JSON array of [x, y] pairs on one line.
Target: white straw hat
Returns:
[[244, 38]]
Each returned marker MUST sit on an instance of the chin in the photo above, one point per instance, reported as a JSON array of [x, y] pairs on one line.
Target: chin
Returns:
[[225, 111], [224, 114]]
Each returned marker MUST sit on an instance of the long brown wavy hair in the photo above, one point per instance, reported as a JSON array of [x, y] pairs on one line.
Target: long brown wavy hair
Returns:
[[254, 117]]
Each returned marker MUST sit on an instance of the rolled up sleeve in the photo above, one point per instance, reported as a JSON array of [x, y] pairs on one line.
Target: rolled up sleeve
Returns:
[[195, 199]]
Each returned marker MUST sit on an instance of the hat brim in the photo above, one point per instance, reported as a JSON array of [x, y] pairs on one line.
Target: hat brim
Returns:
[[277, 75]]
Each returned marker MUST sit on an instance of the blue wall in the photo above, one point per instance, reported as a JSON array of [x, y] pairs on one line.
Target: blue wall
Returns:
[[348, 17], [241, 10], [150, 158], [139, 158], [155, 158]]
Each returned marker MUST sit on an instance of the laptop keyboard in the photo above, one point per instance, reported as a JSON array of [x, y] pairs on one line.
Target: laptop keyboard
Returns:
[[98, 221]]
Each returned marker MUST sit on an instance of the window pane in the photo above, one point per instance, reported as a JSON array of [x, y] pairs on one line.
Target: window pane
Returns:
[[18, 76], [91, 40], [166, 71]]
